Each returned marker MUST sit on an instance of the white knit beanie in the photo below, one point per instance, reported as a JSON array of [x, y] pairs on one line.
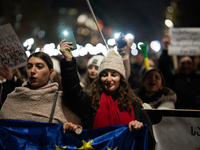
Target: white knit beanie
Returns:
[[113, 61], [95, 60]]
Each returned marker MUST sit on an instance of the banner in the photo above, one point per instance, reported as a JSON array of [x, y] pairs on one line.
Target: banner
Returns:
[[29, 135], [184, 41], [12, 52], [176, 129], [176, 133]]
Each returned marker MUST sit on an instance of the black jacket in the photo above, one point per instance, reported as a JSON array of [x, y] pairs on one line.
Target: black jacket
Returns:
[[185, 86], [8, 87], [80, 102]]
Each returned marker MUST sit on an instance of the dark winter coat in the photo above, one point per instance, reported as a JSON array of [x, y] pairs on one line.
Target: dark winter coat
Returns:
[[185, 86]]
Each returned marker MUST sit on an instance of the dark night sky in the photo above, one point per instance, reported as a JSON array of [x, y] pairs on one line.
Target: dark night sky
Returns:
[[143, 18]]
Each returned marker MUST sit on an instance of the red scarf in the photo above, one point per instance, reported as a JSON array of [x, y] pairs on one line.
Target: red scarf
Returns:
[[109, 114]]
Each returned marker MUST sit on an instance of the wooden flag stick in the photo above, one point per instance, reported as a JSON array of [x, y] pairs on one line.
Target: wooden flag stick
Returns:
[[97, 23]]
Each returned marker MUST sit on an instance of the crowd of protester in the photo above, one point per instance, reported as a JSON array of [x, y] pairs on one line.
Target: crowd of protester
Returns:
[[115, 83], [184, 81]]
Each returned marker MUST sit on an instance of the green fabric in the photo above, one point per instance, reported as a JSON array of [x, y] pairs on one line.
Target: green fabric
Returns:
[[144, 50]]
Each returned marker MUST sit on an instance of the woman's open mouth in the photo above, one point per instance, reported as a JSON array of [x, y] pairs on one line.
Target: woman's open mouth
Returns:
[[33, 78]]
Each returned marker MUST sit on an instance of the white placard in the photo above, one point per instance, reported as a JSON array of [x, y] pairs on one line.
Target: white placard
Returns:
[[12, 52], [184, 41], [177, 133]]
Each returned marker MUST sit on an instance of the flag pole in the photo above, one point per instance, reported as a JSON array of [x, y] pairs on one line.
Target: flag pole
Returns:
[[97, 24]]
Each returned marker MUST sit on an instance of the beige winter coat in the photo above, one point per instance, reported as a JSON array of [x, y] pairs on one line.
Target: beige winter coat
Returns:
[[35, 105]]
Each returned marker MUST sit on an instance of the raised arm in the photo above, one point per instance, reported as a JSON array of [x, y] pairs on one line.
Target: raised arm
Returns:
[[78, 101], [165, 60], [125, 54], [12, 80]]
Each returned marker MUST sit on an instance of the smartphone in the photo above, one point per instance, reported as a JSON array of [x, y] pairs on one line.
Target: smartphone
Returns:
[[120, 41], [69, 37]]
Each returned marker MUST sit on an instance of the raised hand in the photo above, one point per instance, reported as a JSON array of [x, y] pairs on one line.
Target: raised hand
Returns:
[[6, 73], [166, 42], [65, 49]]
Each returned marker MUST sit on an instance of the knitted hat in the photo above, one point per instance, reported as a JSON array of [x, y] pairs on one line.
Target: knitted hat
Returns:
[[114, 62], [95, 60], [154, 69]]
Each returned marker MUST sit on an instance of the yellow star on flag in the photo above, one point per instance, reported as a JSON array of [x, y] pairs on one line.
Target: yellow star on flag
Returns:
[[198, 148], [57, 148], [87, 146], [110, 149]]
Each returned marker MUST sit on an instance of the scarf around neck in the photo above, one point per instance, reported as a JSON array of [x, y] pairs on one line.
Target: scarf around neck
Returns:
[[109, 113], [34, 105]]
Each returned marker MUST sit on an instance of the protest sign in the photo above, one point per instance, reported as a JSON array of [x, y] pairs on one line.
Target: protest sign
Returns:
[[12, 52], [177, 133], [175, 129], [184, 41]]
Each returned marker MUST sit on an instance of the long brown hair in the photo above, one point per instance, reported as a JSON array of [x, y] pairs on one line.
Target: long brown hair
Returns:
[[125, 95], [87, 83]]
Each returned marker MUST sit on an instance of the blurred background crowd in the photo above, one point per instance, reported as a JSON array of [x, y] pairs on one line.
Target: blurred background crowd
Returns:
[[40, 24]]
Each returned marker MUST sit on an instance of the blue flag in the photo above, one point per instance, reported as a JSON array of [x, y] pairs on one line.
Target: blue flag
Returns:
[[30, 135]]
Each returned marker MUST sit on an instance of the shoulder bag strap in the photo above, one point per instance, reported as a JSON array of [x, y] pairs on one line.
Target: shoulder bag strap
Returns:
[[53, 107]]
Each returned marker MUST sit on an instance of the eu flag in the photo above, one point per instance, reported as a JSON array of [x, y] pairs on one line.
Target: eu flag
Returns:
[[30, 135]]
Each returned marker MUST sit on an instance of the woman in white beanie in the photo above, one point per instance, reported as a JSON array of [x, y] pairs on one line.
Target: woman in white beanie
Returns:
[[92, 71], [111, 100]]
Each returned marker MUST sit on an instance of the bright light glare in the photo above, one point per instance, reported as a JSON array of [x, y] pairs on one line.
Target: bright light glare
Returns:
[[65, 33], [115, 48], [88, 46], [140, 43], [58, 48], [91, 49], [134, 52], [83, 51], [81, 18], [37, 49], [75, 53], [29, 47], [155, 45], [94, 51], [111, 42], [133, 46], [169, 23], [28, 53], [28, 42], [129, 36], [79, 47], [116, 35], [102, 48], [50, 49]]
